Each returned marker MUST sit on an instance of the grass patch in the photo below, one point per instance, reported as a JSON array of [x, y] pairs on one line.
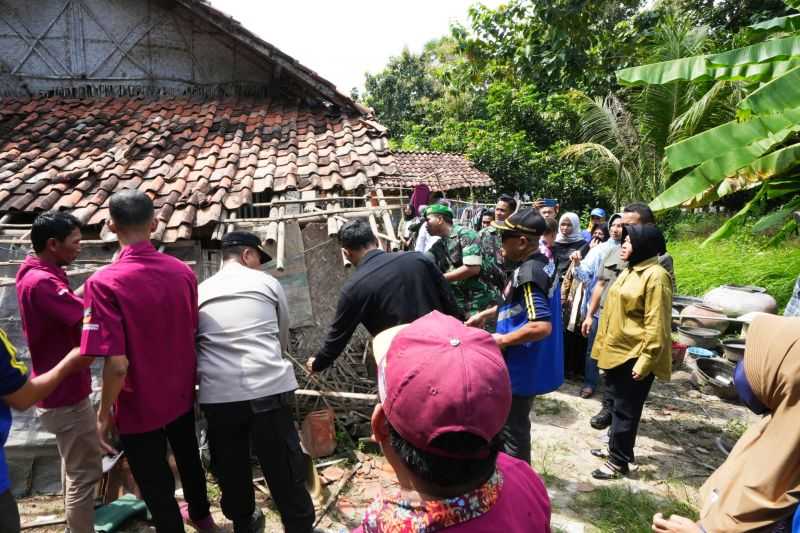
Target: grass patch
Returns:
[[740, 260], [544, 406], [734, 429], [544, 459], [619, 509], [213, 492]]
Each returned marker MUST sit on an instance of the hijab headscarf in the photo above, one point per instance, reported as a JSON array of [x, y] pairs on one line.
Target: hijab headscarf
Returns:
[[420, 197], [759, 483], [647, 241], [575, 236]]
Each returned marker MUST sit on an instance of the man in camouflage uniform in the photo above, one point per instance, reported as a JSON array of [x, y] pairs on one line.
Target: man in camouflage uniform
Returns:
[[458, 256], [497, 269]]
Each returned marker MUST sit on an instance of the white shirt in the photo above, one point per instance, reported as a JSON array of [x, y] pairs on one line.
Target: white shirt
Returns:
[[243, 330], [424, 239]]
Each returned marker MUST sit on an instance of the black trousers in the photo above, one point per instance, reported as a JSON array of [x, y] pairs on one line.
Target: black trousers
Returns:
[[517, 431], [9, 514], [232, 427], [628, 396], [147, 457]]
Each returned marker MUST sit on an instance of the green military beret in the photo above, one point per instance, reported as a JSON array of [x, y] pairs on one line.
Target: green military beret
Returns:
[[438, 209]]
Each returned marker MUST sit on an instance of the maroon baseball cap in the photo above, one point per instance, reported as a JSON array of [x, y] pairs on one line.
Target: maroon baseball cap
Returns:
[[437, 376]]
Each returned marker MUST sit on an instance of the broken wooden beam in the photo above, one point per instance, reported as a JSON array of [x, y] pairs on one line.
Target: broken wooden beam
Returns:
[[341, 395]]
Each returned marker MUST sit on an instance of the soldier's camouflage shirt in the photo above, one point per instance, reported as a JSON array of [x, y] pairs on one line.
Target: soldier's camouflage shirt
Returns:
[[462, 247]]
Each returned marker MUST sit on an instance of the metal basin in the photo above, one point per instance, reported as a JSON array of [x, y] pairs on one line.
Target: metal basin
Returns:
[[703, 337]]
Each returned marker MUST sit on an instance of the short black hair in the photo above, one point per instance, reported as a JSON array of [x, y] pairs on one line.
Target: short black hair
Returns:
[[487, 213], [645, 213], [131, 208], [510, 200], [448, 472], [232, 252], [356, 235], [552, 225], [52, 225]]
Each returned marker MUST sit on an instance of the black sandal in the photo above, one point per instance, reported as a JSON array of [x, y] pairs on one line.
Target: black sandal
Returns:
[[609, 471]]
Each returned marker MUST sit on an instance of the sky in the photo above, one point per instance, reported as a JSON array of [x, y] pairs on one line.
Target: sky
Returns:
[[343, 39]]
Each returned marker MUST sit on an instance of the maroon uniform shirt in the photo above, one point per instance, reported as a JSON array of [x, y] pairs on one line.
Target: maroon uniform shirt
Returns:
[[51, 320], [144, 306]]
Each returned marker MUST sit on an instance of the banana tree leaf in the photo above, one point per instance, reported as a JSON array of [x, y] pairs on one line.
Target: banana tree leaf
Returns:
[[707, 175], [726, 137], [687, 68], [782, 187], [789, 23], [776, 163], [744, 162], [728, 227], [761, 72], [758, 53], [776, 218], [779, 94], [788, 228]]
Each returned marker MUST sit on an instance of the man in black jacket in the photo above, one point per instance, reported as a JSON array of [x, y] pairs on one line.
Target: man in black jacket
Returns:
[[387, 289]]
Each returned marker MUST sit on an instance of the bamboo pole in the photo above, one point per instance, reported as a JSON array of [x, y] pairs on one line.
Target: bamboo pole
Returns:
[[333, 226], [328, 199], [340, 395], [362, 211], [281, 247], [374, 225], [394, 242]]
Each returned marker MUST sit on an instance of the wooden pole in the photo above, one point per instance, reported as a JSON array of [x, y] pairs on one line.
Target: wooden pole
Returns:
[[333, 226], [394, 242], [374, 225], [281, 247], [361, 211]]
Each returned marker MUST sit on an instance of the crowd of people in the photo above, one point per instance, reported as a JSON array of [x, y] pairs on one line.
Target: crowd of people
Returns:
[[469, 325]]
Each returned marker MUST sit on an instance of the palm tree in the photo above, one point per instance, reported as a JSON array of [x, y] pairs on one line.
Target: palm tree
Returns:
[[625, 143]]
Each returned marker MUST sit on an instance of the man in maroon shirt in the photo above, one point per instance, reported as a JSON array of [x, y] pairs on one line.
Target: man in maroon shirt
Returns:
[[140, 315], [51, 320]]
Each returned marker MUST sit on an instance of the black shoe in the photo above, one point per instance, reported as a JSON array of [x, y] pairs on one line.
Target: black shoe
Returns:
[[256, 525], [598, 452], [601, 420]]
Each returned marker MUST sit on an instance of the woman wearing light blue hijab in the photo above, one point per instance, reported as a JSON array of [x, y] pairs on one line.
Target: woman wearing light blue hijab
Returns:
[[588, 270]]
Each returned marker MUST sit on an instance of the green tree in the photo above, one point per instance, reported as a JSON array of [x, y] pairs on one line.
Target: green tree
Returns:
[[400, 93], [624, 135]]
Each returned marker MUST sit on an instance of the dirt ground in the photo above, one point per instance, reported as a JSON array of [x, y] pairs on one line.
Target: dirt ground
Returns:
[[676, 450]]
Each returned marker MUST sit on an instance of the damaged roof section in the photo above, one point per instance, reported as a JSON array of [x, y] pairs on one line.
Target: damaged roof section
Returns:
[[438, 170], [197, 159]]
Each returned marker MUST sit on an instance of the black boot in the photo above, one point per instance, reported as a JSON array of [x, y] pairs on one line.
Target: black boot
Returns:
[[603, 419], [254, 525]]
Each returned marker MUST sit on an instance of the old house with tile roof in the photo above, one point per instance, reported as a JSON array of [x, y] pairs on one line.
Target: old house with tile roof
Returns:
[[218, 126]]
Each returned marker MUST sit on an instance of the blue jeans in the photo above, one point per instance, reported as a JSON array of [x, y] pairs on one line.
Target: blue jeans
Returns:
[[591, 374]]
